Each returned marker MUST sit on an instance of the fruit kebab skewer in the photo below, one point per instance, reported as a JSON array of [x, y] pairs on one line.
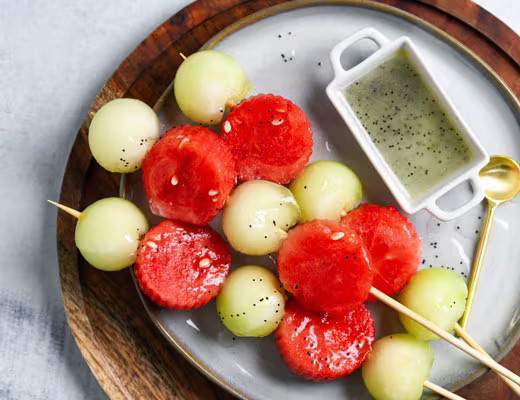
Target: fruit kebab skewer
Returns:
[[320, 258], [391, 239], [395, 239], [177, 265], [388, 235]]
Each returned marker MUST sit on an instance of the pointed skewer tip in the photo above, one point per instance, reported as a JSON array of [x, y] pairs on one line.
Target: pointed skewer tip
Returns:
[[68, 210]]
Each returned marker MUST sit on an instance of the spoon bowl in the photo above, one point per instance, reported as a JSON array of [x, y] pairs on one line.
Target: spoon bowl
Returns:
[[501, 179]]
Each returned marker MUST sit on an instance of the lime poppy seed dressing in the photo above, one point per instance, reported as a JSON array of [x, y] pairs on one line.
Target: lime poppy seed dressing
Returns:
[[407, 124]]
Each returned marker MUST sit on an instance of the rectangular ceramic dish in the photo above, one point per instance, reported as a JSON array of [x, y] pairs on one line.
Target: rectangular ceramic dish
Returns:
[[468, 172]]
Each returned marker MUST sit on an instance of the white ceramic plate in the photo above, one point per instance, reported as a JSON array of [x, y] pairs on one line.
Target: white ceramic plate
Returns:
[[252, 368]]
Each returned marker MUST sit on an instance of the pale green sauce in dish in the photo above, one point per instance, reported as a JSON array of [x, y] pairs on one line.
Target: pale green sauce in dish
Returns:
[[404, 119]]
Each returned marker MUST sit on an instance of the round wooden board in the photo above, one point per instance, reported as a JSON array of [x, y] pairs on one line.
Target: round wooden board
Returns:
[[126, 353]]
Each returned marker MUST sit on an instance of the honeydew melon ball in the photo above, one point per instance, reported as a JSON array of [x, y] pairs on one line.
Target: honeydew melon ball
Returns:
[[437, 294], [108, 233], [121, 133], [206, 82], [258, 215], [326, 190], [251, 301], [397, 367]]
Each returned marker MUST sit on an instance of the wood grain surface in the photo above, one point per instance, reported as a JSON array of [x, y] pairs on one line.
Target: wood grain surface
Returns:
[[128, 356]]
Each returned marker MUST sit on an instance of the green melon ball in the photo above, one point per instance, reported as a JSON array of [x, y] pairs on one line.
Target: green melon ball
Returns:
[[251, 302], [258, 215], [108, 233], [206, 82], [326, 190], [437, 294], [397, 367], [121, 133]]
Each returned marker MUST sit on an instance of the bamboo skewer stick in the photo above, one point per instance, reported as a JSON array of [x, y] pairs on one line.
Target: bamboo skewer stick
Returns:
[[459, 330], [68, 210], [443, 392], [487, 361], [182, 56]]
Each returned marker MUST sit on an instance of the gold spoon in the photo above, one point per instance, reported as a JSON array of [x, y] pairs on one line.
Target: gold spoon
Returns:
[[501, 180]]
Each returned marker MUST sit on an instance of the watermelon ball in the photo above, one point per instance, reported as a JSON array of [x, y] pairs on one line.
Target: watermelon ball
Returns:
[[188, 175], [325, 266], [324, 346], [270, 138], [397, 367], [182, 266], [251, 302], [393, 245]]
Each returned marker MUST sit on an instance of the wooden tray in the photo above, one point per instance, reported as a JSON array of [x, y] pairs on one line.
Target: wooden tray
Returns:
[[126, 353]]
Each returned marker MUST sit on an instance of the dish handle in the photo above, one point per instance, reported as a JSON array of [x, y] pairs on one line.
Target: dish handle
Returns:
[[337, 51], [477, 197]]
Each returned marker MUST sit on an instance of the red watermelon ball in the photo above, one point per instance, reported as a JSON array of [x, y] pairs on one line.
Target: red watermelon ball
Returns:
[[182, 266], [393, 245], [324, 346], [325, 266], [188, 175], [270, 137]]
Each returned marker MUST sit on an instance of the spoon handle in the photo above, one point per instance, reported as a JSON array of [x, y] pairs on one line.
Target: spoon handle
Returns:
[[478, 262]]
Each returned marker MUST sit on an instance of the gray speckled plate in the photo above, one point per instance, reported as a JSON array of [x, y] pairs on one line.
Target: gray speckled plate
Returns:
[[252, 368]]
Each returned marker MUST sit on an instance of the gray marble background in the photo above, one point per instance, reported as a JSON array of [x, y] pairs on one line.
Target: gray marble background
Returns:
[[55, 55]]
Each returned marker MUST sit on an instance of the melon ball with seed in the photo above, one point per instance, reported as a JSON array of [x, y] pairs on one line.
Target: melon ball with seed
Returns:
[[397, 367], [121, 133], [206, 83], [326, 190], [251, 302], [108, 233], [258, 216], [439, 295]]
